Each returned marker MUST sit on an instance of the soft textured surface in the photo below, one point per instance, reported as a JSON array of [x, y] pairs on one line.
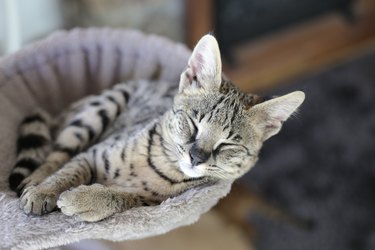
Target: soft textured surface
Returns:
[[321, 166], [51, 74]]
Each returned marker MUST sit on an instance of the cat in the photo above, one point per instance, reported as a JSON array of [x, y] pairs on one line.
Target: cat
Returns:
[[141, 142]]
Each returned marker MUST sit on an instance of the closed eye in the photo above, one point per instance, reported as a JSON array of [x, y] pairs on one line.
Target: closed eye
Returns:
[[194, 132], [231, 146], [225, 146], [192, 127]]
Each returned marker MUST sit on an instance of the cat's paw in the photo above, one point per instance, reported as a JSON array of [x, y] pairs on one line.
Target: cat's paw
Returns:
[[30, 181], [87, 203], [38, 200]]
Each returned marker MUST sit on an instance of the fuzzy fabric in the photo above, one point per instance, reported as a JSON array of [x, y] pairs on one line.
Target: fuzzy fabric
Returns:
[[51, 74]]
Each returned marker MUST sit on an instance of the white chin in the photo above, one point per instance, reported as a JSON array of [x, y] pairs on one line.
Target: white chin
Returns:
[[191, 171]]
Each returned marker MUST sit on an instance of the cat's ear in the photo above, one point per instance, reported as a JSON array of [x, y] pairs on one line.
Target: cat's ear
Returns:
[[204, 66], [267, 117]]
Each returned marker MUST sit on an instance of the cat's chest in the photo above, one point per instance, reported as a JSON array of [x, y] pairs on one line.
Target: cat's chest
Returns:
[[144, 184], [143, 181], [138, 165]]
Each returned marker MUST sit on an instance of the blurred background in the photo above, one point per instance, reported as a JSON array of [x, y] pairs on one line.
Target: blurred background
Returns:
[[314, 185]]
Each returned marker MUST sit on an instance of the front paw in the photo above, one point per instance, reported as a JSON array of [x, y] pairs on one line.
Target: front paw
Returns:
[[32, 180], [87, 203], [38, 200]]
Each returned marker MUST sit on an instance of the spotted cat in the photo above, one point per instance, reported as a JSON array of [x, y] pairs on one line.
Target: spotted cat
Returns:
[[141, 142]]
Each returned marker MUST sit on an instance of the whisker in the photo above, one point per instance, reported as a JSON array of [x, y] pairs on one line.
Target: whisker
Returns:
[[217, 171]]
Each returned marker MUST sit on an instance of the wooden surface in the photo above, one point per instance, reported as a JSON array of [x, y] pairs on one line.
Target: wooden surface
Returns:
[[199, 20], [305, 48]]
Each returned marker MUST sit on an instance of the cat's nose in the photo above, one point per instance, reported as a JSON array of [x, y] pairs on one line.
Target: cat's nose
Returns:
[[198, 155]]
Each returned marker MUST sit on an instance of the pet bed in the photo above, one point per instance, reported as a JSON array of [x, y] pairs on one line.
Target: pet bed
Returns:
[[51, 74]]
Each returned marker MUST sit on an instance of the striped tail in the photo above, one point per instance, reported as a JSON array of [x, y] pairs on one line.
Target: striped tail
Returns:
[[33, 144]]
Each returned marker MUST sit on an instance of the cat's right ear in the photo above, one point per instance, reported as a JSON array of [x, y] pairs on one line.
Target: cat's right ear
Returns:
[[204, 66], [268, 116]]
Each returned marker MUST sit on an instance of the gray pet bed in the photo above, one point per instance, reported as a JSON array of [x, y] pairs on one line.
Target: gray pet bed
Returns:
[[51, 74]]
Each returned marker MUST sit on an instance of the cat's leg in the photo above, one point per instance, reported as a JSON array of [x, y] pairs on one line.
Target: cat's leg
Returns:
[[42, 198], [80, 130], [34, 142], [96, 202]]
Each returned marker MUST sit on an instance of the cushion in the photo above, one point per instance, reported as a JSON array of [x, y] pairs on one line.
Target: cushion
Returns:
[[58, 70]]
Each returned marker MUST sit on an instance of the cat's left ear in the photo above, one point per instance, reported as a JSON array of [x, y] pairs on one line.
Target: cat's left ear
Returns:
[[267, 117], [204, 66]]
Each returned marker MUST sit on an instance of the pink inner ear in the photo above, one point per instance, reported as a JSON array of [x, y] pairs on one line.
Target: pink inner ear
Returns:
[[190, 76], [275, 122], [280, 118], [273, 125], [197, 63]]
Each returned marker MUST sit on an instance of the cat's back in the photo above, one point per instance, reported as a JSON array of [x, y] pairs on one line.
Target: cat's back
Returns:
[[148, 100]]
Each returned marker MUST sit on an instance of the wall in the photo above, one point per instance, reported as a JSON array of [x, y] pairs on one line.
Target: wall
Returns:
[[22, 21]]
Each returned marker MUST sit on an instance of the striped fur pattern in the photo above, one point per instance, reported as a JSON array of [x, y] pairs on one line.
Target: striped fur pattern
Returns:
[[142, 142], [33, 144]]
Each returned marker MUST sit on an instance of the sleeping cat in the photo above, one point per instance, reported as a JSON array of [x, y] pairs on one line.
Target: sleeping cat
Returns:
[[142, 142]]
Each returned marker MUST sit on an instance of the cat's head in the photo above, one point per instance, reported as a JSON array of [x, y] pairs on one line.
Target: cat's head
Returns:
[[218, 130]]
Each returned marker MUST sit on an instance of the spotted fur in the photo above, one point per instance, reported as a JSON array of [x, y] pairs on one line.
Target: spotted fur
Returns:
[[141, 145]]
